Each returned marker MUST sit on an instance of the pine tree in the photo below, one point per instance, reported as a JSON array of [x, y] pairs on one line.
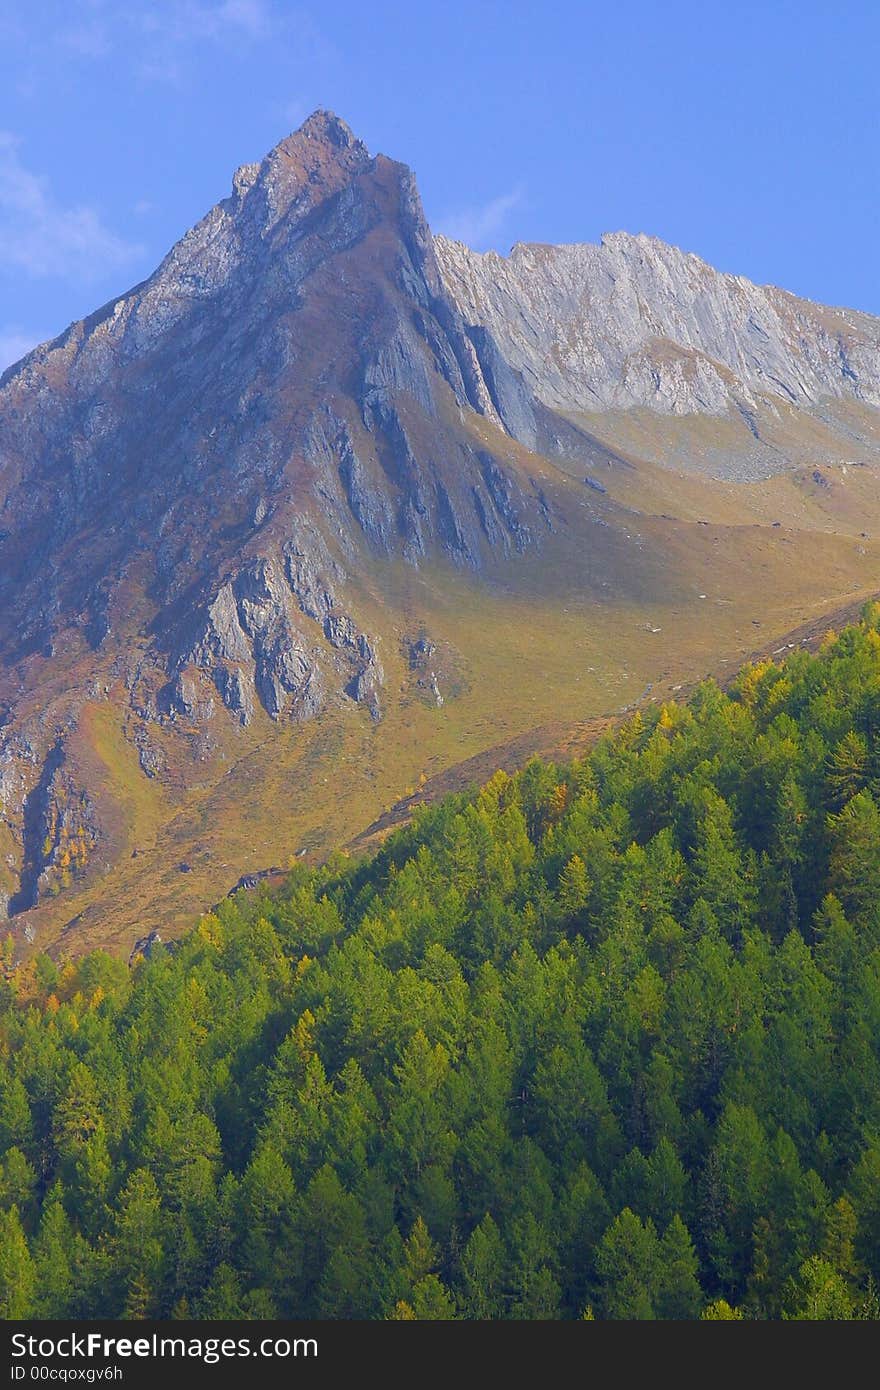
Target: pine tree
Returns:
[[264, 1212], [628, 1263], [483, 1264], [18, 1181], [846, 769], [855, 862], [421, 1253], [222, 1300], [819, 1294], [864, 1194], [138, 1245], [91, 1180], [52, 1257], [839, 1238], [718, 868], [431, 1301], [835, 949], [78, 1115], [16, 1125], [575, 887], [678, 1287], [667, 1185], [720, 1311], [18, 1274]]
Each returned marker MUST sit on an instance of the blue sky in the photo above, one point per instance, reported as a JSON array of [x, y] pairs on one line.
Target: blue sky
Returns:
[[747, 132]]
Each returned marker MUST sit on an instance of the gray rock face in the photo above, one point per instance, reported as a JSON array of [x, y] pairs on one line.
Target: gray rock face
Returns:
[[186, 696], [59, 831], [634, 322], [236, 688], [311, 571], [507, 500], [512, 401], [274, 632], [290, 383]]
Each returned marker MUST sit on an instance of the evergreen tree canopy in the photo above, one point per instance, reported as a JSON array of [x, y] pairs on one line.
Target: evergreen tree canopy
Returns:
[[599, 1040]]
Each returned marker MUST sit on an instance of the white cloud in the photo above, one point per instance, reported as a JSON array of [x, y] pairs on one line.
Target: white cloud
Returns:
[[162, 40], [480, 226], [14, 345], [182, 24], [186, 21], [42, 237], [160, 36], [168, 36]]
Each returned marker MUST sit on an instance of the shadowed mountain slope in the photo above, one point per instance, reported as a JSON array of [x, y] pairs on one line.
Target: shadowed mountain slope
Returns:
[[298, 522]]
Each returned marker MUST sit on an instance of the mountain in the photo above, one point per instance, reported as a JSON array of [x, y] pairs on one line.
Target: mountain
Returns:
[[327, 504], [633, 324]]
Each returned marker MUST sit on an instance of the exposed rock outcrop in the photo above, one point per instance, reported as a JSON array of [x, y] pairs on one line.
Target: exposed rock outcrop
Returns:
[[59, 830], [635, 322], [274, 632], [294, 351]]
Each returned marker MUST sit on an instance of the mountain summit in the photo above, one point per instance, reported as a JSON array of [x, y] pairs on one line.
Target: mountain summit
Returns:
[[326, 500], [261, 400]]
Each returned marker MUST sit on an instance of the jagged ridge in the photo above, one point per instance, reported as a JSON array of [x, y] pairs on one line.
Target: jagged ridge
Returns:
[[635, 322]]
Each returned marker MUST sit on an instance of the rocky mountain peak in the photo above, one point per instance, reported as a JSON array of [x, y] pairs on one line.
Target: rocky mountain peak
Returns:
[[291, 385], [313, 162], [323, 127], [220, 493]]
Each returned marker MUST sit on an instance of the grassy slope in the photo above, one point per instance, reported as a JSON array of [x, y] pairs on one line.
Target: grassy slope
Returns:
[[573, 641]]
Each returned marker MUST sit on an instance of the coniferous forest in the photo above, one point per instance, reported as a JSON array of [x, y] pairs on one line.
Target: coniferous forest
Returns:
[[600, 1040]]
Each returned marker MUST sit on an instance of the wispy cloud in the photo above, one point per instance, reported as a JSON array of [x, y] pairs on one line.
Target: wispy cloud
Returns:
[[185, 21], [481, 226], [42, 237], [167, 35], [162, 40], [15, 344], [170, 37]]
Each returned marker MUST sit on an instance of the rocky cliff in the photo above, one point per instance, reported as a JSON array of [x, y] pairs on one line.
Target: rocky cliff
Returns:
[[253, 413], [325, 492], [193, 479], [636, 323]]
